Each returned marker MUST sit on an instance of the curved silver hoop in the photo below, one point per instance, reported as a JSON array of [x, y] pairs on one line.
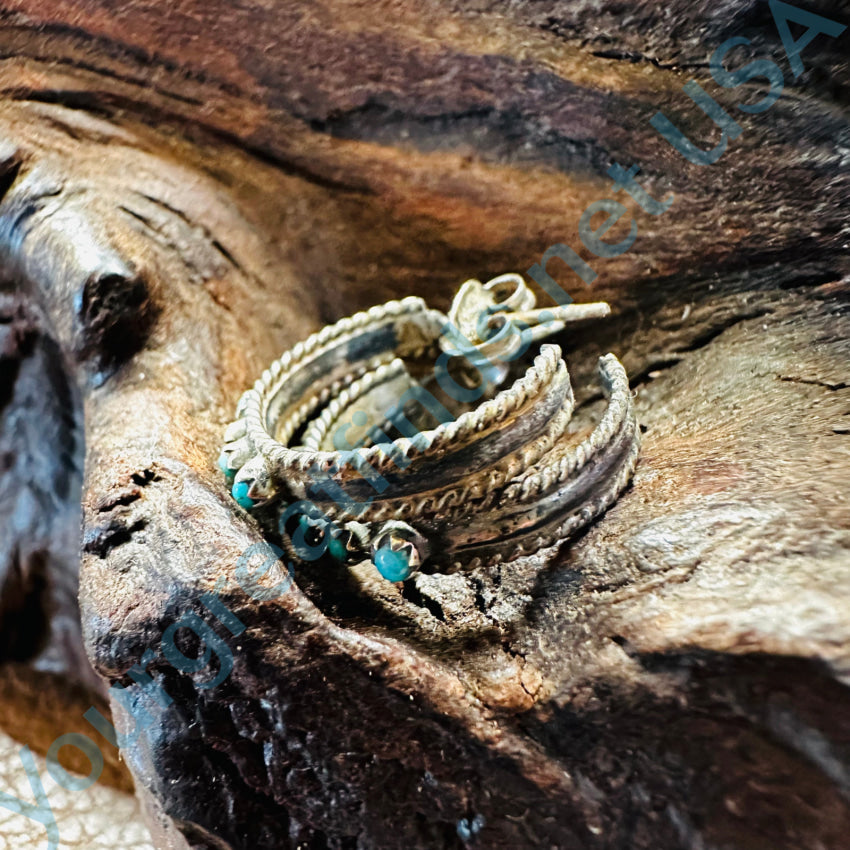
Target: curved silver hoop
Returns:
[[434, 478]]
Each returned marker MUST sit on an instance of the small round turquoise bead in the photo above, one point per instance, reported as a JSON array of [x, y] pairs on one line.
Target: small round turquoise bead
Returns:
[[240, 493], [222, 465], [337, 550], [393, 566]]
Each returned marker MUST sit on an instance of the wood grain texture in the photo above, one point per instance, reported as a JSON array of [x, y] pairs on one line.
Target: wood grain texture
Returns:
[[192, 187]]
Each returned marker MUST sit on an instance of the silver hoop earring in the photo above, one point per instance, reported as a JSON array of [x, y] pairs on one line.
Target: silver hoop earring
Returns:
[[367, 453]]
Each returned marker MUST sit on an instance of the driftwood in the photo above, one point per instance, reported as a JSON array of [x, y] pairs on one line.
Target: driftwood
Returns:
[[188, 189]]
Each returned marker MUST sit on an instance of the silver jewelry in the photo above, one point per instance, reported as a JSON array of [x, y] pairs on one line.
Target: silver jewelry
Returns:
[[464, 482]]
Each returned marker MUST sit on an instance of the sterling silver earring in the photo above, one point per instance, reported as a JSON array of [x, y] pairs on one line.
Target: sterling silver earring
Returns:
[[385, 436]]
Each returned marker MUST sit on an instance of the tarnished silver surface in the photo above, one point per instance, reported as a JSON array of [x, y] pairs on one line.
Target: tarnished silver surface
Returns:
[[481, 484]]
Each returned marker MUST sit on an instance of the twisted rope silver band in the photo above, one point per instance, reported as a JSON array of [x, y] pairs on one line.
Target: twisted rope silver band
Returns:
[[499, 481]]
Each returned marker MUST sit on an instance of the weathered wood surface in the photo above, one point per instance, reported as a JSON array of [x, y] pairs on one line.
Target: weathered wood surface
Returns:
[[190, 188]]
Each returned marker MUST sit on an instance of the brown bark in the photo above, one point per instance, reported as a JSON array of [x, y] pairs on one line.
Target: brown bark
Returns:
[[189, 189]]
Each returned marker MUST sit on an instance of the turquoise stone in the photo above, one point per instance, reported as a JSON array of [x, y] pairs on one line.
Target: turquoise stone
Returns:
[[393, 566], [306, 524], [240, 493], [337, 549], [222, 465]]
